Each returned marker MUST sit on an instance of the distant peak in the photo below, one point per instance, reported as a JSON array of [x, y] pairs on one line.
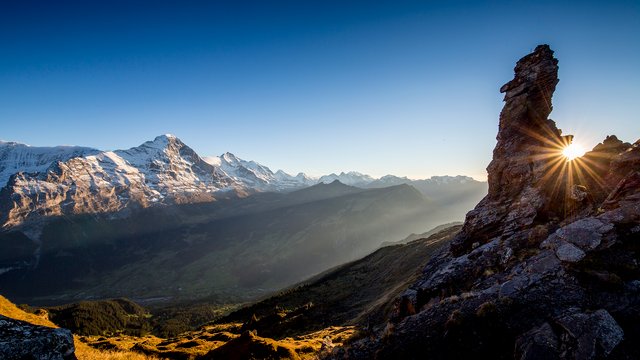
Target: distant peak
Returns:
[[392, 177], [12, 143], [212, 160], [229, 157], [165, 138]]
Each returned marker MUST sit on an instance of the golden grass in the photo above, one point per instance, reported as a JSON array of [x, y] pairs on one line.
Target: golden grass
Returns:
[[196, 343], [83, 351], [8, 309]]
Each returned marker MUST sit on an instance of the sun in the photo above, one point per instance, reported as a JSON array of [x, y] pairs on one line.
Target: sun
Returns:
[[573, 151]]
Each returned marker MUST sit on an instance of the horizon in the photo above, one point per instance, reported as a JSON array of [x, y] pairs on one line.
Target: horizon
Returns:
[[208, 158], [407, 89]]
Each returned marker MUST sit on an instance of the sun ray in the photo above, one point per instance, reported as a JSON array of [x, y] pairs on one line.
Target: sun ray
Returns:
[[573, 151]]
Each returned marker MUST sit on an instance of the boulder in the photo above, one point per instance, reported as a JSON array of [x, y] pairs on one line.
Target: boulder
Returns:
[[22, 340]]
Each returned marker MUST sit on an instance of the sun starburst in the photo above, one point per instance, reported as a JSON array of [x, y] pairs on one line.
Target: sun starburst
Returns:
[[566, 173], [573, 151]]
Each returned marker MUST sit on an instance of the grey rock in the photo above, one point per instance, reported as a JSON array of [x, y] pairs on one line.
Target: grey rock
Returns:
[[513, 286], [595, 334], [543, 263], [609, 333], [569, 253], [585, 233], [506, 256], [454, 268], [579, 192], [538, 343], [22, 340]]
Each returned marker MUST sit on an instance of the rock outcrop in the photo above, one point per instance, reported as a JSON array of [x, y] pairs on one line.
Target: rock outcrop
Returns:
[[547, 266], [528, 149], [22, 340]]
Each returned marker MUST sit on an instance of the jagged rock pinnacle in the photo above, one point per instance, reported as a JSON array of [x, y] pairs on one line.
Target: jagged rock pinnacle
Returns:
[[546, 266], [527, 143]]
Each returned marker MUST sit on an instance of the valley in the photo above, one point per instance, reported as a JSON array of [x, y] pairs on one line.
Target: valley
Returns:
[[308, 319]]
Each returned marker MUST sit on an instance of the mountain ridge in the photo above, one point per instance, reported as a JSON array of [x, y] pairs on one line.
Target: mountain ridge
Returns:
[[41, 182]]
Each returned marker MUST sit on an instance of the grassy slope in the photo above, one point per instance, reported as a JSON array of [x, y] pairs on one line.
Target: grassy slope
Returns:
[[83, 351], [328, 310]]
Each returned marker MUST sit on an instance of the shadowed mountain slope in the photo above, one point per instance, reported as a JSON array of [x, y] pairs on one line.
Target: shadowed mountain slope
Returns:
[[360, 293], [230, 251]]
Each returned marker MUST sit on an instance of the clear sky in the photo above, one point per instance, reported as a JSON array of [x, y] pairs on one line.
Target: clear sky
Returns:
[[402, 87]]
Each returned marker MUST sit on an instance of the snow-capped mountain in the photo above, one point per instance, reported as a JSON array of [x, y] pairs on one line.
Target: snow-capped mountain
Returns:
[[352, 178], [388, 180], [255, 176], [164, 170], [76, 180], [300, 180], [392, 180], [16, 157], [446, 180]]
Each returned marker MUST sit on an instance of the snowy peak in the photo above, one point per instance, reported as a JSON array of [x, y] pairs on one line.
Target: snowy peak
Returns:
[[72, 180], [256, 176], [389, 180], [230, 159], [163, 148], [352, 178], [21, 158], [446, 179], [171, 166], [81, 180], [299, 181]]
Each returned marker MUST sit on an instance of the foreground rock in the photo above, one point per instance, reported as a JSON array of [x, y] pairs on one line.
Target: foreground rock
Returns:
[[22, 340], [547, 265]]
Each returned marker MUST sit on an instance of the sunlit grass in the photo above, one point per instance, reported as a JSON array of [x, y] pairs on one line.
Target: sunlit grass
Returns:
[[83, 351]]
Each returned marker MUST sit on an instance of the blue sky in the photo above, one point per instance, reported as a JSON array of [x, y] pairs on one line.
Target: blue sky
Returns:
[[402, 87]]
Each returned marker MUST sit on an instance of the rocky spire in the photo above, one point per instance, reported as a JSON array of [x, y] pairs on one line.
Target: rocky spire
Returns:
[[547, 264], [529, 144]]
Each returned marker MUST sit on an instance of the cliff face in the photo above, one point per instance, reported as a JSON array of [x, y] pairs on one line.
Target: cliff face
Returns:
[[547, 265], [527, 140]]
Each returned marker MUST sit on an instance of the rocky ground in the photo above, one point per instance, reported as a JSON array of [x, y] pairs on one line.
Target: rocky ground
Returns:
[[547, 265]]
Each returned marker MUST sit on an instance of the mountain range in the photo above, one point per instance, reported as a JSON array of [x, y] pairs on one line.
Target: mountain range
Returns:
[[229, 251], [40, 182], [228, 229]]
